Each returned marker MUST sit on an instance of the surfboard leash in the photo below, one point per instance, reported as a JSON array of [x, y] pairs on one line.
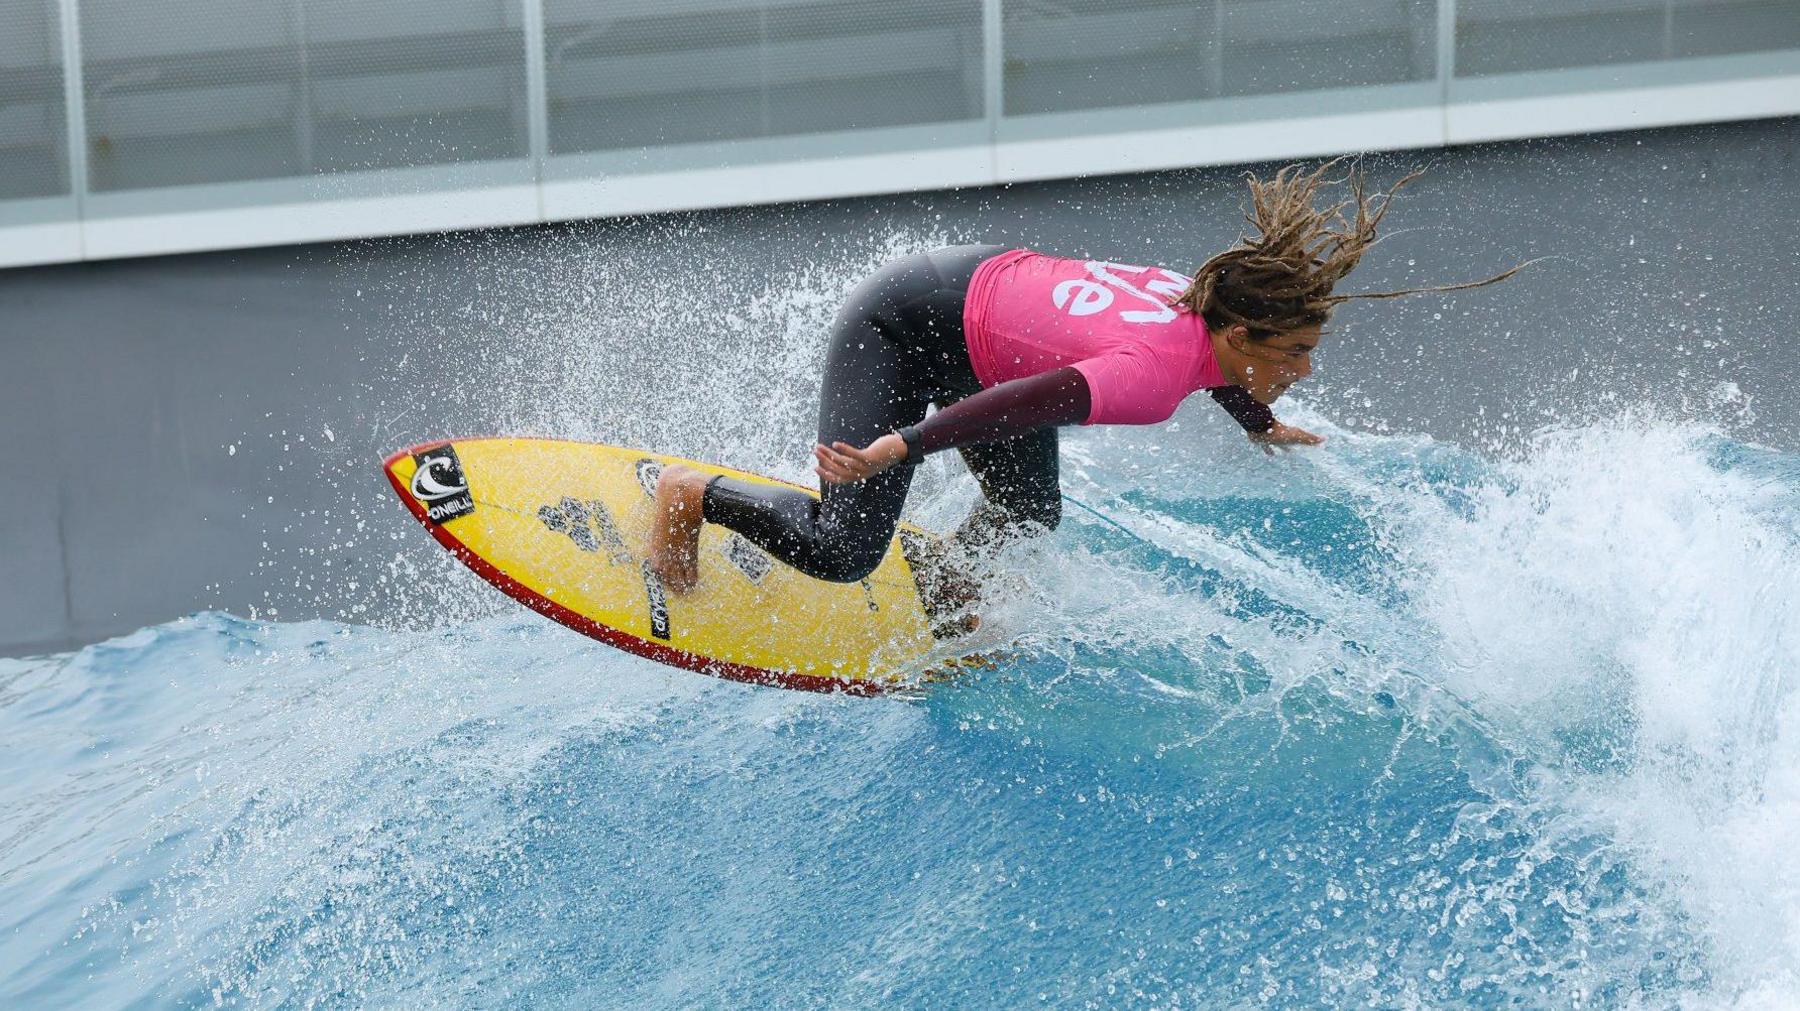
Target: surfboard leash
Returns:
[[1108, 520]]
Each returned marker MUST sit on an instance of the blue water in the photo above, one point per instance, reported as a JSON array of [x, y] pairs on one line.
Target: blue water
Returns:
[[1390, 723]]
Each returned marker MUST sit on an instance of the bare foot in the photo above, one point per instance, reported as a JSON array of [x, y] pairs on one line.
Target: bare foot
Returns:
[[675, 528]]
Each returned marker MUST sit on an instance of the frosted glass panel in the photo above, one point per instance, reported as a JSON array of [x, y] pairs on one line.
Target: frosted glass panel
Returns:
[[199, 91], [641, 73], [1090, 54], [33, 125], [1509, 36]]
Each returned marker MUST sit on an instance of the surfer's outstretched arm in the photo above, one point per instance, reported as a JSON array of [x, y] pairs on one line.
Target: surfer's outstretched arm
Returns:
[[1017, 408], [1006, 411]]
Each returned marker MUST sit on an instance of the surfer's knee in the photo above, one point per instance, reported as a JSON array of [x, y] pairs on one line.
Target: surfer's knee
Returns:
[[850, 561], [848, 568], [683, 481]]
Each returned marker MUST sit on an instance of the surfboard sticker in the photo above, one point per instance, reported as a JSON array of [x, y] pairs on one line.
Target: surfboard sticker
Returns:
[[658, 601], [439, 485], [563, 526], [747, 558]]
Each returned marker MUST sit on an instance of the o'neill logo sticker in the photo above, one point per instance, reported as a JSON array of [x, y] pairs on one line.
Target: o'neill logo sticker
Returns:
[[439, 485], [659, 604]]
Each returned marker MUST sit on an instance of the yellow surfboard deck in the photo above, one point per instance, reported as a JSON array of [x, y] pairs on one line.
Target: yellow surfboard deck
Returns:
[[563, 527]]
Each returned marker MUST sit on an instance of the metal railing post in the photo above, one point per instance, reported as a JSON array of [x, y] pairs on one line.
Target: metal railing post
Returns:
[[75, 114], [1446, 61], [993, 66], [537, 98]]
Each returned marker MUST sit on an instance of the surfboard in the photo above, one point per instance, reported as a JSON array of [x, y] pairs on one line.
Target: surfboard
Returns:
[[563, 527]]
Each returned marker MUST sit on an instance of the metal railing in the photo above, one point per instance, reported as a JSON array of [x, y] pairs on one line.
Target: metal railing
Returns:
[[129, 127]]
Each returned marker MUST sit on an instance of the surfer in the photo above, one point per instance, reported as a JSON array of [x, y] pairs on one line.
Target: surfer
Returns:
[[1010, 344]]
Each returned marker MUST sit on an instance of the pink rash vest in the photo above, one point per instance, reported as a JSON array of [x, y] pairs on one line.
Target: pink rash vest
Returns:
[[1027, 313]]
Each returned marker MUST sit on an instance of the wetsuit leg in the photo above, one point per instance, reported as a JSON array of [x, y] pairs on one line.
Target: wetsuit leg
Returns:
[[872, 385], [933, 323], [1020, 478], [1022, 497]]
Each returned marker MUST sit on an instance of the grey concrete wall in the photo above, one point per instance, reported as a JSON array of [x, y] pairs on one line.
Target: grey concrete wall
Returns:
[[204, 431]]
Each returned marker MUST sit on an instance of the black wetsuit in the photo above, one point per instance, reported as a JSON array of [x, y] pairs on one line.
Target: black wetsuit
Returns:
[[897, 346]]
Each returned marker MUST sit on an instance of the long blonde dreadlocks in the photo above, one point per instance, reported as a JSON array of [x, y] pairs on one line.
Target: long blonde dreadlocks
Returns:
[[1282, 279]]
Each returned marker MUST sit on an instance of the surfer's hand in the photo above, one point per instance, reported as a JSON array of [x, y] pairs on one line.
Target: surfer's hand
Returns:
[[1285, 436], [842, 463]]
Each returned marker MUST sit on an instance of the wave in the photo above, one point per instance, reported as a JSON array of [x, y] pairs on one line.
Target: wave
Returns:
[[1392, 722]]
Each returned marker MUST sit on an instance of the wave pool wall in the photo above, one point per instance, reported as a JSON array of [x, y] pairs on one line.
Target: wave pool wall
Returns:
[[202, 431]]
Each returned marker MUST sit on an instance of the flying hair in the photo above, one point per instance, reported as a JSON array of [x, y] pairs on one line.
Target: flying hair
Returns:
[[1282, 279]]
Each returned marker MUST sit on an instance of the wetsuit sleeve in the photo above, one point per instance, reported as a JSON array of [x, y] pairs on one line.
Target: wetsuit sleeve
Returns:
[[1057, 397], [1244, 409]]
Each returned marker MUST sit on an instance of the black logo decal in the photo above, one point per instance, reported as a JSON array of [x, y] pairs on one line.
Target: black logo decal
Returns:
[[647, 473], [439, 485], [659, 604], [748, 558], [609, 531], [587, 524]]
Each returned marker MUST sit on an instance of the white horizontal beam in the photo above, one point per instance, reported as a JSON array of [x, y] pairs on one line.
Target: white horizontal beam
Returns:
[[767, 183], [1621, 109], [909, 169], [328, 220], [1219, 144], [40, 242]]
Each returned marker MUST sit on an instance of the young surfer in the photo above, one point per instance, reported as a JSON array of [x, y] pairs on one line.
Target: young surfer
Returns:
[[1010, 344]]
